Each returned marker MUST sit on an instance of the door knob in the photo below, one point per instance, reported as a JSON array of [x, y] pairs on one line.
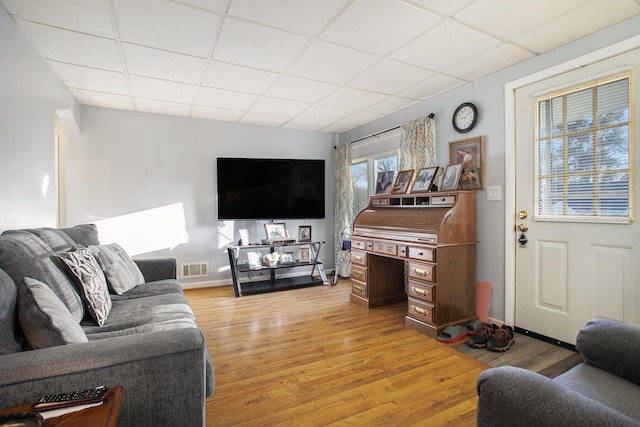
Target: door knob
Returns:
[[523, 214]]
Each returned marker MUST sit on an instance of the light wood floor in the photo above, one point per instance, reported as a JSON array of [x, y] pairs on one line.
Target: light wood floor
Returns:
[[310, 357]]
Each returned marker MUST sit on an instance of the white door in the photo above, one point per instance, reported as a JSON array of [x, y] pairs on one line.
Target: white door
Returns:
[[570, 271]]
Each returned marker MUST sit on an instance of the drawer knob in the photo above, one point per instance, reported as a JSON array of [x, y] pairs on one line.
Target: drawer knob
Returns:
[[358, 288], [420, 291], [419, 310], [358, 273], [420, 271], [358, 257]]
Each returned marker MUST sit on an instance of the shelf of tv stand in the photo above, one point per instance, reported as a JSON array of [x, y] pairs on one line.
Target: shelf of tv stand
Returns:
[[271, 283]]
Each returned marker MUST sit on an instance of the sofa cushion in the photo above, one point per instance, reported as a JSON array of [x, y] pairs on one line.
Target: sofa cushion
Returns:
[[83, 234], [89, 278], [55, 239], [10, 332], [23, 254], [121, 271], [169, 286], [45, 320]]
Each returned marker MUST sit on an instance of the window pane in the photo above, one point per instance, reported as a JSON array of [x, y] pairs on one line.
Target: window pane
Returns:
[[360, 186]]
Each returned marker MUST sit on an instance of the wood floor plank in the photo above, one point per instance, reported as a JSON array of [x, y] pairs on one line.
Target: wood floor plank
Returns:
[[310, 357]]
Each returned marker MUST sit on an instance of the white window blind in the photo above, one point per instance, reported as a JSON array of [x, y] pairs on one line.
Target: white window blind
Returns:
[[583, 148]]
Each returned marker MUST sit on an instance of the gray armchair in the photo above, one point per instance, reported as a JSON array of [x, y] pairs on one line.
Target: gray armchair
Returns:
[[604, 390]]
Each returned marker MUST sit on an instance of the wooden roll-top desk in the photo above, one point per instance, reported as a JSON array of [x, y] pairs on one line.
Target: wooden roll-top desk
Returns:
[[420, 248]]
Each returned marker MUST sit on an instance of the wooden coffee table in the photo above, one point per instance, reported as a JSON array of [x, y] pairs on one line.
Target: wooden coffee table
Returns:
[[103, 415]]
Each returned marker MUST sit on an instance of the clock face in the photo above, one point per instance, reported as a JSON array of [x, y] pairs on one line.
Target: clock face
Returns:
[[465, 117]]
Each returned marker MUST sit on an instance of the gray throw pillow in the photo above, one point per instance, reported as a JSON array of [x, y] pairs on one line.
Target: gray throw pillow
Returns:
[[122, 273], [85, 272], [45, 320], [10, 334]]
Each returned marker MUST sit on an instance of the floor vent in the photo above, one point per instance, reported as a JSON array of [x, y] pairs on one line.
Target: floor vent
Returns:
[[200, 269]]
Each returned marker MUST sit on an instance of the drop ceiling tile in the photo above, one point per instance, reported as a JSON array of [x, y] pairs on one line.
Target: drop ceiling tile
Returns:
[[508, 19], [571, 26], [167, 25], [323, 114], [300, 89], [390, 77], [234, 77], [209, 97], [308, 124], [351, 98], [146, 87], [148, 62], [434, 85], [213, 113], [390, 105], [264, 119], [73, 48], [279, 107], [162, 107], [306, 17], [105, 100], [84, 16], [257, 46], [331, 63], [87, 78], [211, 5], [442, 7], [444, 46], [378, 26], [488, 62]]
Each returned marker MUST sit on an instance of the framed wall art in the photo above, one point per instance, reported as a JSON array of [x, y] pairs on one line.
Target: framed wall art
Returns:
[[470, 154], [402, 182]]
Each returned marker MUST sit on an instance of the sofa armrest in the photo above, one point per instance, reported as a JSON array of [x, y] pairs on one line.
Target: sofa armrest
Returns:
[[161, 268], [163, 374], [517, 397], [612, 346]]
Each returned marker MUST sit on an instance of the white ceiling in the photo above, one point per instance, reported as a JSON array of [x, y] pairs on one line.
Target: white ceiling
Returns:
[[320, 65]]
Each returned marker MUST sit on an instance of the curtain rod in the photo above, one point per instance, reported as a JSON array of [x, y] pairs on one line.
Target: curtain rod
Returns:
[[431, 116]]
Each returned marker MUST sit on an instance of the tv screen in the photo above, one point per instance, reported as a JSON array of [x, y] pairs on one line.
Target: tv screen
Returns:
[[270, 188]]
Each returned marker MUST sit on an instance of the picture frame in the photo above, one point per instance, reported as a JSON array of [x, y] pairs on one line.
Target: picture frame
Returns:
[[304, 255], [286, 258], [244, 237], [276, 231], [451, 177], [402, 182], [255, 259], [304, 233], [384, 182], [424, 180], [470, 154]]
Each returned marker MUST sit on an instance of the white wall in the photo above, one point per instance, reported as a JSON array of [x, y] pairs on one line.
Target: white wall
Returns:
[[30, 94], [126, 163], [488, 94]]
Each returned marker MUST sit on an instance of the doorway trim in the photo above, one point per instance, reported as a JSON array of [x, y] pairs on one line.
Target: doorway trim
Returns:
[[510, 156]]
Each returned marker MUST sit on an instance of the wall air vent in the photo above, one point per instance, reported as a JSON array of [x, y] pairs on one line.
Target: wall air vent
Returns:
[[199, 269]]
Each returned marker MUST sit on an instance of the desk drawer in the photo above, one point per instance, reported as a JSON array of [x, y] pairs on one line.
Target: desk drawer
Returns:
[[422, 271], [385, 248], [359, 273], [421, 310], [424, 291], [423, 254], [358, 244], [359, 289], [359, 257]]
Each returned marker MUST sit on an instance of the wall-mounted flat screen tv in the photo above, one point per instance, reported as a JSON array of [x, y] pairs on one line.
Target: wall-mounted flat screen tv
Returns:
[[270, 188]]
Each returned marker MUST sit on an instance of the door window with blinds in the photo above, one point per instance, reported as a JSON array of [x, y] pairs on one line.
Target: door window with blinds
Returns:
[[584, 146]]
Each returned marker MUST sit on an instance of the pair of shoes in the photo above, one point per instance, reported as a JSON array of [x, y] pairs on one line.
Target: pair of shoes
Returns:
[[492, 337]]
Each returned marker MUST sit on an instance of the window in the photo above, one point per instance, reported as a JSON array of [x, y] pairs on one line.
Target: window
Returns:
[[364, 182], [583, 147]]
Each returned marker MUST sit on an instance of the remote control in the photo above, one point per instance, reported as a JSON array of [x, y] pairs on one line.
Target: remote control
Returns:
[[61, 400]]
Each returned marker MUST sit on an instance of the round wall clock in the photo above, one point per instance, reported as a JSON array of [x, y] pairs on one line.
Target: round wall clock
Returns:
[[465, 117]]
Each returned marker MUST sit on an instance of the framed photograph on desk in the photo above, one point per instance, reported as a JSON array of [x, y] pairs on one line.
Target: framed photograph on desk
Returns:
[[304, 254], [276, 231], [304, 233]]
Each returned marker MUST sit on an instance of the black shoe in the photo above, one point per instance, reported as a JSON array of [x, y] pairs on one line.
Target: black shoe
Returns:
[[480, 339], [502, 339]]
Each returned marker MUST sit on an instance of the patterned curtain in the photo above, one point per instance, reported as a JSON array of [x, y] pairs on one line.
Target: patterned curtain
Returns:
[[344, 195], [418, 144]]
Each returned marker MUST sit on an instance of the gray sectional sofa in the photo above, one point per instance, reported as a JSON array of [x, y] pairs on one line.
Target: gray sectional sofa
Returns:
[[602, 391], [52, 302]]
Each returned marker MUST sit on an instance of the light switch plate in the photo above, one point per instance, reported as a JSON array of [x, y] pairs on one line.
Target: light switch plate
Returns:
[[494, 192]]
